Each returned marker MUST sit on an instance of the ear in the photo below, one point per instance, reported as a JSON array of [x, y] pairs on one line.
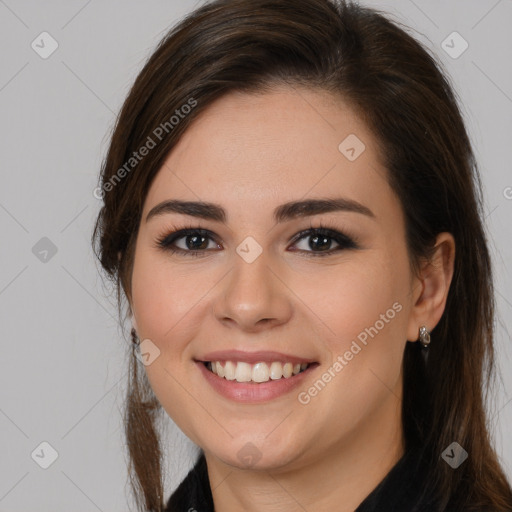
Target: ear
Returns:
[[432, 286]]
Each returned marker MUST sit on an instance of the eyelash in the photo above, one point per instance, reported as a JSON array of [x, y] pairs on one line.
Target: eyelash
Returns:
[[166, 240]]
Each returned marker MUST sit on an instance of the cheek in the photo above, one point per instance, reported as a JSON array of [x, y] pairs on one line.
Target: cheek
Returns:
[[163, 303], [162, 297], [348, 299], [363, 312]]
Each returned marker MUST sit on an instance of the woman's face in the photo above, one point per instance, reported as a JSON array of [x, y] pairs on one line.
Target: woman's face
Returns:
[[253, 295]]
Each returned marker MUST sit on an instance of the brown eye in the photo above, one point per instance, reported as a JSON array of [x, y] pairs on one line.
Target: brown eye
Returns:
[[321, 240], [193, 241]]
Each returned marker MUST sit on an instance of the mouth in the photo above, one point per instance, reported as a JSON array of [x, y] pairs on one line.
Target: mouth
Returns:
[[254, 377], [258, 373]]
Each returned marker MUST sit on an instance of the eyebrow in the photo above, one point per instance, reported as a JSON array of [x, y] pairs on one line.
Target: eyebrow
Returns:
[[283, 213]]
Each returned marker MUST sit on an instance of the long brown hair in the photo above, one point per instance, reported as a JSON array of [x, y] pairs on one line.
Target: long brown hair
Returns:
[[405, 97]]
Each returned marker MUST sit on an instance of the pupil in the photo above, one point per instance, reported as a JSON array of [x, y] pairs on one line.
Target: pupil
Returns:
[[194, 239], [316, 238]]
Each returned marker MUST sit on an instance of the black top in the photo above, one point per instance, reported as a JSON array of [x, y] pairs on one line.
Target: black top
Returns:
[[399, 491]]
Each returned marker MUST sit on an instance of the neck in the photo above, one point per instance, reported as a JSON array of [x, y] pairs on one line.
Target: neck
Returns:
[[339, 478]]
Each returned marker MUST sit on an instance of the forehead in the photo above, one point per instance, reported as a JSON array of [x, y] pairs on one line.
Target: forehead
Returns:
[[255, 151]]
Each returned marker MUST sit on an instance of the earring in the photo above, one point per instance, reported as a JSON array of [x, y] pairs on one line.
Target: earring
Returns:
[[424, 336], [135, 338], [425, 341]]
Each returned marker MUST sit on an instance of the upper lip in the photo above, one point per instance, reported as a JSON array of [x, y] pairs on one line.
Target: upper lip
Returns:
[[252, 357]]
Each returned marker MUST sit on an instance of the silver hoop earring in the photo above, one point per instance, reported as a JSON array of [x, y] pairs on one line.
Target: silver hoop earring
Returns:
[[424, 339], [424, 336]]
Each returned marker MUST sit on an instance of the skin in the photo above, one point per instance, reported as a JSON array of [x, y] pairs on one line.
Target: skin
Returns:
[[250, 154]]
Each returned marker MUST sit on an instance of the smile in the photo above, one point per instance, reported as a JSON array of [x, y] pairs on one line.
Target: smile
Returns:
[[254, 377], [240, 371]]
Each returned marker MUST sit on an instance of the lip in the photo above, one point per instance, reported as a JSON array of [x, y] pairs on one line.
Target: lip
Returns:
[[266, 356], [252, 392]]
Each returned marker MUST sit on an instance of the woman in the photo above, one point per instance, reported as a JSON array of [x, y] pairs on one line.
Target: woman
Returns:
[[292, 210]]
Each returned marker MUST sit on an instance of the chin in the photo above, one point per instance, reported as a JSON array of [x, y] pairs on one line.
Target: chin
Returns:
[[255, 454]]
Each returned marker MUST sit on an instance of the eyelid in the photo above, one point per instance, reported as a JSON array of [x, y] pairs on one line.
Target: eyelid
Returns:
[[349, 241], [175, 233]]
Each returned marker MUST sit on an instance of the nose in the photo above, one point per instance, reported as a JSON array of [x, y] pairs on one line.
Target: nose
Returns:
[[253, 297]]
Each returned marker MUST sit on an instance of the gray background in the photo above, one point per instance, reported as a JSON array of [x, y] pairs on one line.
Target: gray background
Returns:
[[63, 358]]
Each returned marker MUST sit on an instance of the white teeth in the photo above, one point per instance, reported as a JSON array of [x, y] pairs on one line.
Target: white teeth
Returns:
[[243, 372], [276, 371], [220, 369], [259, 372], [229, 370]]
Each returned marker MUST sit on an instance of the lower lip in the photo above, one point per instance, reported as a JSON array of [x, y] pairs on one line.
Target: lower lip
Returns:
[[253, 392]]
